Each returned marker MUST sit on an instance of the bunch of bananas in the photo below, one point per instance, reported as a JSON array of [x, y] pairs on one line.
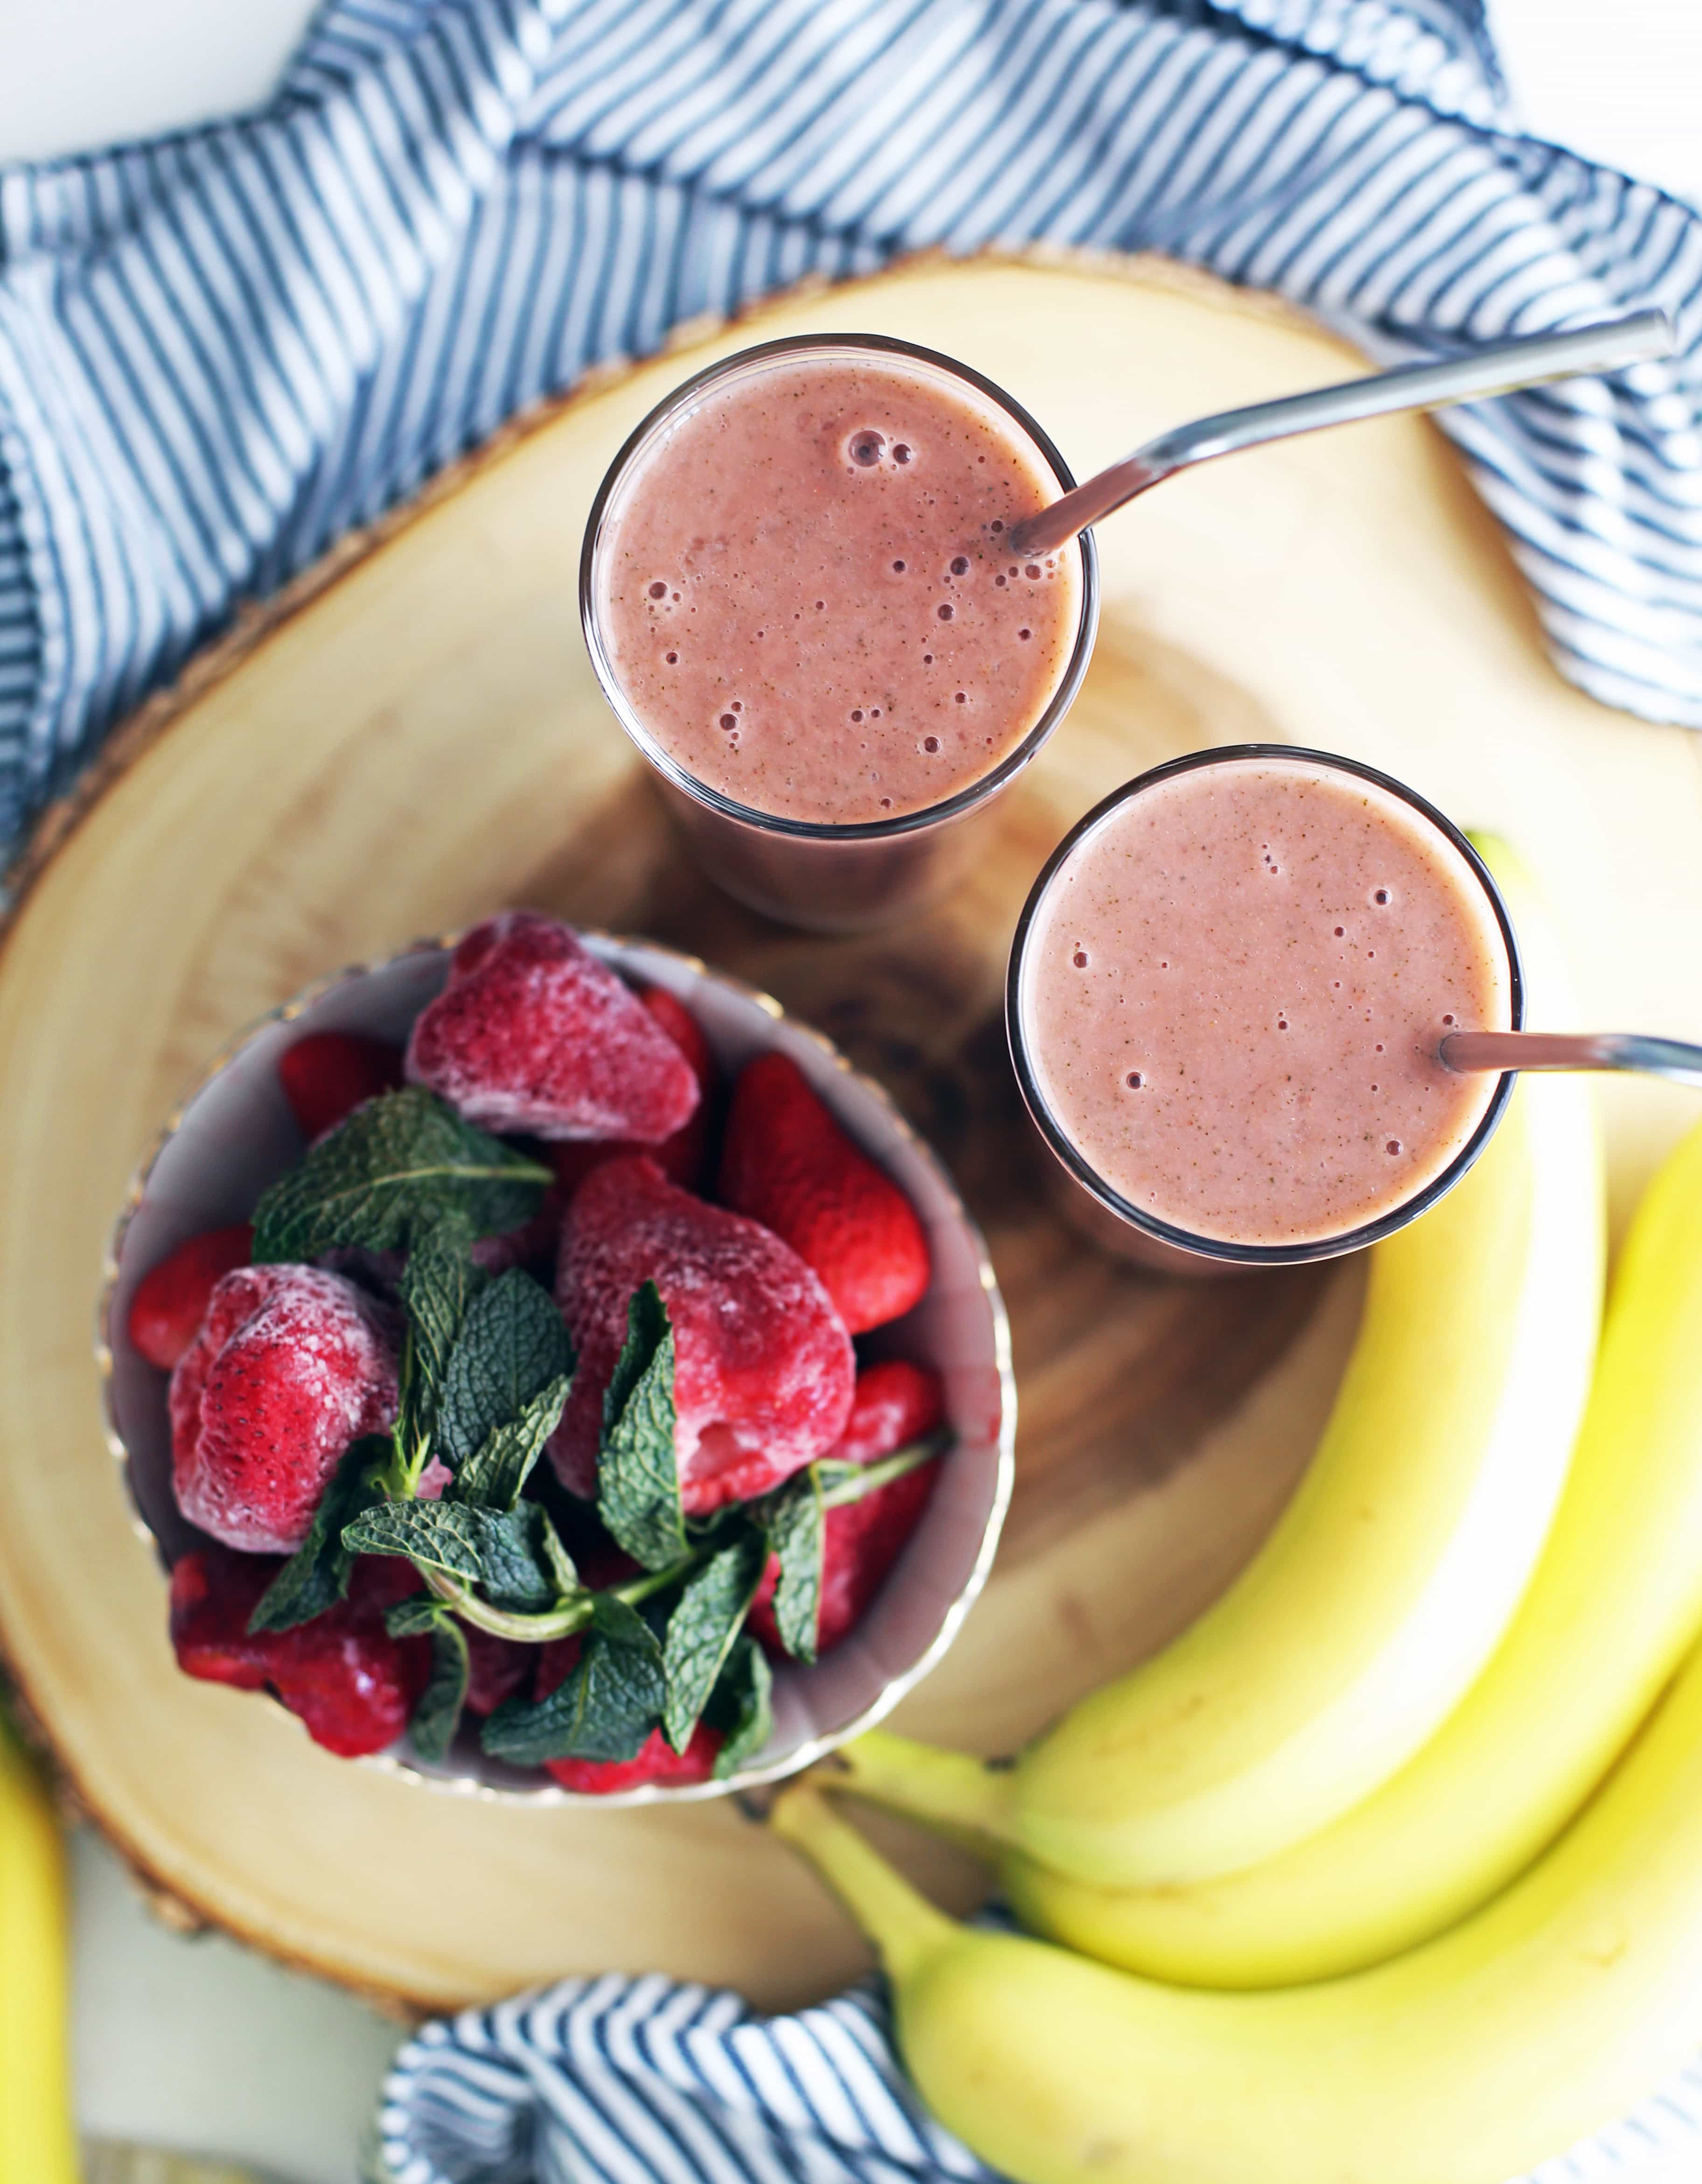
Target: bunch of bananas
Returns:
[[1392, 1864]]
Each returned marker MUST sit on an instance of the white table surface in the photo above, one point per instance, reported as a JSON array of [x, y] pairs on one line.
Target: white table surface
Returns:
[[197, 2043]]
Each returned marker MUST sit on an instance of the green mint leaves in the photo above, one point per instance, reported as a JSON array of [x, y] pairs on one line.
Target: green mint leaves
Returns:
[[796, 1523], [709, 1615], [499, 1550], [316, 1576], [637, 1472], [486, 1369], [389, 1173], [438, 1713], [606, 1707]]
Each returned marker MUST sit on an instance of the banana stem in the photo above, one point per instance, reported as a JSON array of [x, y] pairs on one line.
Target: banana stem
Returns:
[[906, 1928], [949, 1789]]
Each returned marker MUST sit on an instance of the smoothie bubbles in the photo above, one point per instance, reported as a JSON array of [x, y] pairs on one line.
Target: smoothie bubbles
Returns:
[[1226, 1001], [799, 596]]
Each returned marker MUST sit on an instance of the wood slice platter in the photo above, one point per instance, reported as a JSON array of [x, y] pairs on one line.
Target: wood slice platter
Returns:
[[412, 738]]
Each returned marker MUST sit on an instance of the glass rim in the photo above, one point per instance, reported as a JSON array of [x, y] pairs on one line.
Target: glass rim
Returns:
[[1082, 1171], [965, 800]]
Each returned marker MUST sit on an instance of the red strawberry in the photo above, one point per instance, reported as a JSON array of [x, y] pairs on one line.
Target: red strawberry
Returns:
[[328, 1074], [290, 1366], [353, 1685], [787, 1163], [763, 1367], [680, 1157], [171, 1299], [533, 1034], [896, 1403], [656, 1760], [496, 1668]]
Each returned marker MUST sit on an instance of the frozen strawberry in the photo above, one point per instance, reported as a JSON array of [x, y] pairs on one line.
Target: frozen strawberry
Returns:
[[291, 1365], [496, 1668], [763, 1367], [328, 1074], [680, 1157], [353, 1685], [787, 1163], [656, 1759], [171, 1299], [533, 1034], [896, 1403]]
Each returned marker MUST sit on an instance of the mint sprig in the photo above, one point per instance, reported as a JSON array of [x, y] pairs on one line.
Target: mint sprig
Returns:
[[511, 1345], [500, 1551], [707, 1617], [604, 1708], [437, 1288], [486, 1370], [385, 1176], [437, 1715], [316, 1576], [638, 1471], [796, 1521], [741, 1706]]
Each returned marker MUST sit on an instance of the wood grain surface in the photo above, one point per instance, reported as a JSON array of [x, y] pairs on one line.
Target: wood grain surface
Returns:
[[412, 738]]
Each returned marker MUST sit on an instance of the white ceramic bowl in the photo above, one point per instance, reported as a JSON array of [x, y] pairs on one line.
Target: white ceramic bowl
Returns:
[[234, 1134]]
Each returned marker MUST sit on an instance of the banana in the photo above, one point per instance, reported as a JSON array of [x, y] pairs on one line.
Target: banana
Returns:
[[1389, 1581], [1542, 2017], [1616, 1601], [36, 2145]]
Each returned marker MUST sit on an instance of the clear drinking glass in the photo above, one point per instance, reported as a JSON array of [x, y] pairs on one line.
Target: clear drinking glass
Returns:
[[828, 877], [1092, 1204]]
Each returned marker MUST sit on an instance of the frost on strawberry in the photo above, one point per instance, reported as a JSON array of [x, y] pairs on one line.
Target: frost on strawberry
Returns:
[[680, 1156], [533, 1034], [290, 1366], [763, 1366]]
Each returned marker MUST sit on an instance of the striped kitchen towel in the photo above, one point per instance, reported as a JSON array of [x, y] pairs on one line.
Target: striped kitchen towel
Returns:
[[641, 2082], [220, 349]]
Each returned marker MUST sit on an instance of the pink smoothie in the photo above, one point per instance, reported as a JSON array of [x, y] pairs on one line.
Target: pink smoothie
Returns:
[[1233, 992], [803, 590]]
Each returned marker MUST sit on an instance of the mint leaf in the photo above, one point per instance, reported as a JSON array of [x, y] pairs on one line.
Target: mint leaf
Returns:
[[605, 1708], [438, 1713], [795, 1522], [501, 1551], [637, 1472], [741, 1706], [437, 1286], [511, 1346], [382, 1179], [701, 1629], [316, 1576], [421, 1611], [492, 1479]]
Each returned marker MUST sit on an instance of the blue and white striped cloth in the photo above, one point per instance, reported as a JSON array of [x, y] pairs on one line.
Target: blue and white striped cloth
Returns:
[[641, 2082], [222, 349]]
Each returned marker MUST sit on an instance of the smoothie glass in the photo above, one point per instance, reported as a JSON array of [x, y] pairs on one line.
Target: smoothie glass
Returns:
[[829, 875], [1087, 1196]]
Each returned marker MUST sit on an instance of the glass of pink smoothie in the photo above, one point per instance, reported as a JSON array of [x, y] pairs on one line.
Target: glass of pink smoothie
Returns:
[[798, 598], [1225, 997]]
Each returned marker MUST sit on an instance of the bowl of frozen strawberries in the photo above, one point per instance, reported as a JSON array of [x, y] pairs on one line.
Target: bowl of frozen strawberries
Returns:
[[547, 1368]]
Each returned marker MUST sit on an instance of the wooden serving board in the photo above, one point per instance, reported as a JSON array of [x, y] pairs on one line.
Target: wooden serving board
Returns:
[[412, 738]]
